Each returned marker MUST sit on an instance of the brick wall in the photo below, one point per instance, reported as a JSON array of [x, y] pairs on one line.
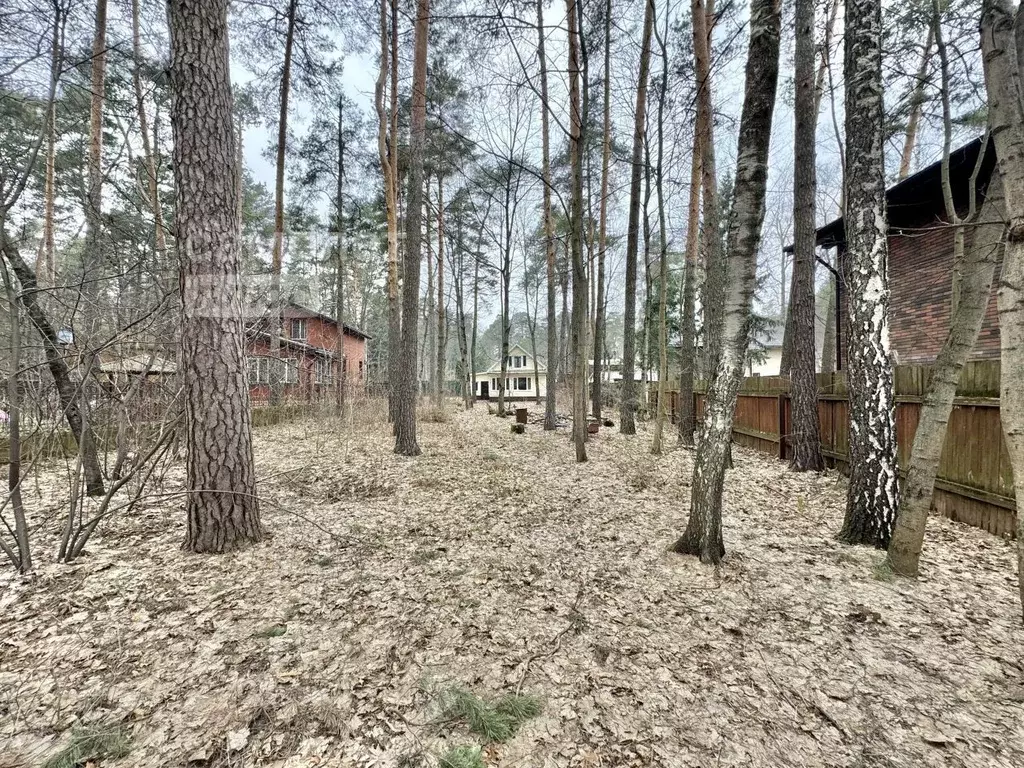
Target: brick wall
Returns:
[[920, 281]]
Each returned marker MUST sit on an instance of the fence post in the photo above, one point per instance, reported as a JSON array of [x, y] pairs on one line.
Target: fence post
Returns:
[[782, 426]]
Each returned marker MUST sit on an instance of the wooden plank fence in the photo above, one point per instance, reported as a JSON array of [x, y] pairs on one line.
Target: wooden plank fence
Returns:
[[975, 481]]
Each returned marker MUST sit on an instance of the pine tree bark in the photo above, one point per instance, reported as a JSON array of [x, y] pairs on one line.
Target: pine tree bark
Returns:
[[805, 437], [600, 310], [917, 100], [389, 165], [549, 230], [339, 264], [703, 536], [660, 415], [94, 256], [149, 158], [222, 505], [628, 405], [715, 268], [442, 322], [45, 266], [872, 493], [277, 253], [578, 341], [1002, 46], [686, 419], [405, 423]]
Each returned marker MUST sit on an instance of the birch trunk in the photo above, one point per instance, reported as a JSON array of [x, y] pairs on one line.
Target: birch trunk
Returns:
[[1002, 46], [703, 536], [405, 423], [221, 504], [628, 405], [872, 492]]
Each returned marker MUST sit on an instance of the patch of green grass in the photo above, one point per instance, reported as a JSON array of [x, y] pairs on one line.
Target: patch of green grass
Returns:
[[494, 722], [274, 630], [882, 571], [93, 742], [464, 756]]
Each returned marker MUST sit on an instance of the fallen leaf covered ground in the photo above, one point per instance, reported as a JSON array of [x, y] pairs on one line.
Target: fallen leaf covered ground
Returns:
[[495, 564]]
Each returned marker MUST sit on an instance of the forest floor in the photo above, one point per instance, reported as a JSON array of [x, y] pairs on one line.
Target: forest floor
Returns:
[[494, 564]]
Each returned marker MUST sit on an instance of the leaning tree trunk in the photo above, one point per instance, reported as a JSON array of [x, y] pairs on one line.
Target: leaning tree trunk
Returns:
[[872, 492], [578, 377], [628, 404], [805, 435], [68, 386], [408, 386], [549, 231], [703, 536], [222, 506], [1004, 57], [979, 265]]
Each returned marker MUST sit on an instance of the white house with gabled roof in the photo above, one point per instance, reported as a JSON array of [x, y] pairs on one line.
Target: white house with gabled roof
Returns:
[[520, 382]]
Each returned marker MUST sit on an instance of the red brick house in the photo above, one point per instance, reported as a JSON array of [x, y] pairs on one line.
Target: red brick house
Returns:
[[317, 351], [921, 259]]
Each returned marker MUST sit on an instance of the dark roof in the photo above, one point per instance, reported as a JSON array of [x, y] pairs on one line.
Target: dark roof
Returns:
[[291, 309], [917, 200]]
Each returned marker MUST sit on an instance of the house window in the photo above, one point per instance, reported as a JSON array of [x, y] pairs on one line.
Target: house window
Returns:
[[494, 383], [259, 371], [522, 383], [299, 328], [289, 370], [323, 371]]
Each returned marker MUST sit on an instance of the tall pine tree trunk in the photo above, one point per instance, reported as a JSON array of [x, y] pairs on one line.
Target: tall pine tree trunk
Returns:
[[578, 376], [713, 295], [686, 418], [405, 423], [442, 322], [389, 167], [628, 405], [549, 229], [805, 437], [222, 506], [45, 266], [600, 311], [872, 493], [703, 536], [1002, 48], [277, 254], [917, 98], [659, 417]]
